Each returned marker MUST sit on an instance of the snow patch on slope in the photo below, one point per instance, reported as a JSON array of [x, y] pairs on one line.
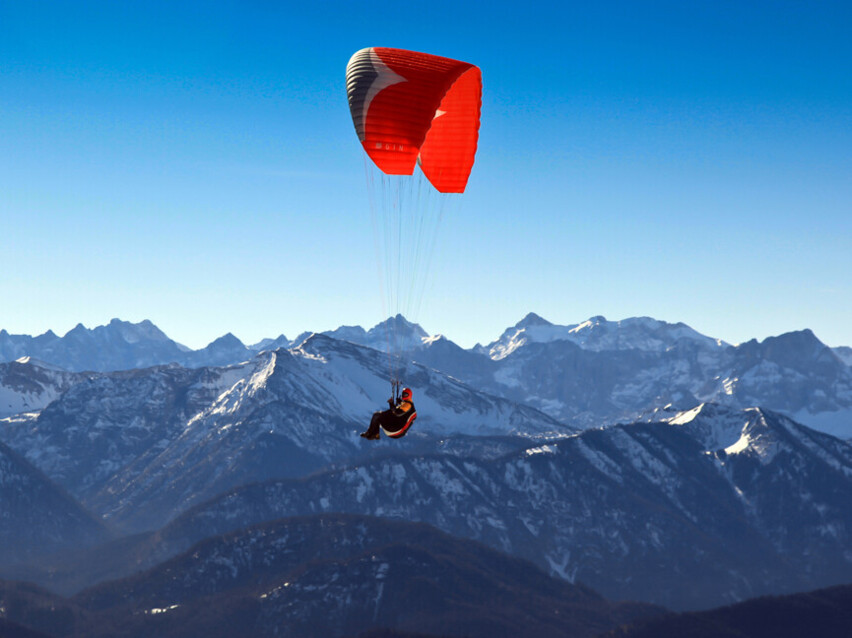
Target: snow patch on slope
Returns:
[[756, 439], [715, 426]]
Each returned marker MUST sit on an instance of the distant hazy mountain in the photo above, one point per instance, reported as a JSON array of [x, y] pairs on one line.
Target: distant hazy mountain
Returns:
[[712, 507], [117, 346], [328, 575], [395, 333], [120, 345]]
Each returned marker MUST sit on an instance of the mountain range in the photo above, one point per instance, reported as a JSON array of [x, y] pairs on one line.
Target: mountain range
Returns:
[[589, 374], [343, 574], [744, 503], [741, 503], [638, 458], [140, 446]]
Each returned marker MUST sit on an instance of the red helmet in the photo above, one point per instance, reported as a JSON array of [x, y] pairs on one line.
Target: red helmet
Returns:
[[406, 394]]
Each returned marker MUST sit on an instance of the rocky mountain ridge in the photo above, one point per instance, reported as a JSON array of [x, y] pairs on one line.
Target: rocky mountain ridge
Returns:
[[588, 374], [140, 446], [331, 575], [738, 503], [627, 509], [746, 498], [603, 372]]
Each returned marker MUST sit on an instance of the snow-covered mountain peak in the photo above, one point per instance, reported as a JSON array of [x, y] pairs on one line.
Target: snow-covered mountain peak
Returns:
[[715, 426], [703, 411], [119, 345], [766, 434], [531, 329], [590, 324], [28, 385], [314, 346], [757, 438], [239, 384], [397, 333], [430, 341], [597, 334], [271, 344], [595, 372], [355, 334], [320, 346], [636, 333], [753, 431], [686, 416], [357, 378]]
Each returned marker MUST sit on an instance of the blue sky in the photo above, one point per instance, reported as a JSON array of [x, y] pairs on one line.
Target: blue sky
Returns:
[[196, 165]]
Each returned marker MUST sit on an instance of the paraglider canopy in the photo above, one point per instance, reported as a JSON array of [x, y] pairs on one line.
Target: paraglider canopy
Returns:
[[410, 107]]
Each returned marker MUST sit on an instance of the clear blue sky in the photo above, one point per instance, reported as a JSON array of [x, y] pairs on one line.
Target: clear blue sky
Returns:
[[195, 164]]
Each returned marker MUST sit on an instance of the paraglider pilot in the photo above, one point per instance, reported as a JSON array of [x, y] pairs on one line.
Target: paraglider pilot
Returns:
[[394, 421]]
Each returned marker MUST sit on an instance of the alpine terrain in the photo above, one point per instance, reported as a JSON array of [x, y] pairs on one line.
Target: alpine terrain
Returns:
[[180, 492]]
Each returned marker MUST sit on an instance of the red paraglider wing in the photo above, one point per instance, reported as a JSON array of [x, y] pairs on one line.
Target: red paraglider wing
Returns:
[[407, 105], [447, 154]]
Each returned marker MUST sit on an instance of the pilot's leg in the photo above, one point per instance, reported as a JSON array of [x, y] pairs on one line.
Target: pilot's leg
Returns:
[[373, 431]]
